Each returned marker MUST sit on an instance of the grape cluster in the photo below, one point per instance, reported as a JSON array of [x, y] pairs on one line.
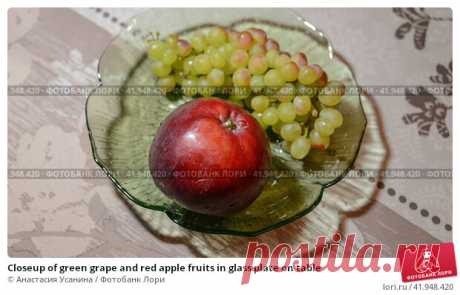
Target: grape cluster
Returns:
[[284, 92]]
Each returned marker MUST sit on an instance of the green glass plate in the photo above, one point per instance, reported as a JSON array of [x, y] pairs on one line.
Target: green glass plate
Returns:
[[122, 124]]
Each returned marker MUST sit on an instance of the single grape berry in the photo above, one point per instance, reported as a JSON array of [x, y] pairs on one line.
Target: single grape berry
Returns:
[[257, 65], [217, 59], [184, 48], [202, 64], [167, 83], [156, 49], [302, 105], [239, 59], [281, 60], [273, 78], [161, 69], [199, 42], [270, 116], [323, 127], [241, 77], [244, 41], [290, 131], [257, 83], [257, 49], [259, 36], [286, 112], [271, 57], [216, 77], [260, 103], [217, 36], [169, 56], [289, 71], [300, 148], [308, 75], [333, 116]]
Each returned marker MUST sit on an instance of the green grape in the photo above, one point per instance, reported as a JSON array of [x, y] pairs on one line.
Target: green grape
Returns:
[[331, 95], [184, 48], [286, 112], [167, 83], [199, 42], [189, 87], [244, 40], [286, 93], [258, 117], [160, 69], [257, 49], [188, 66], [271, 57], [308, 75], [289, 71], [318, 141], [217, 36], [324, 127], [217, 59], [216, 77], [259, 36], [239, 59], [333, 116], [281, 60], [226, 49], [302, 105], [300, 148], [156, 49], [169, 56], [260, 103], [270, 116], [322, 81], [300, 59], [290, 131], [257, 83], [329, 100], [273, 78], [202, 64], [241, 78], [257, 65]]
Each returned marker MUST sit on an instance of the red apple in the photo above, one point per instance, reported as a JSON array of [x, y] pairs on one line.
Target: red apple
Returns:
[[209, 155]]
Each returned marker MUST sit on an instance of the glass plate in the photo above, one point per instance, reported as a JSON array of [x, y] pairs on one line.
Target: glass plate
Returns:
[[122, 125]]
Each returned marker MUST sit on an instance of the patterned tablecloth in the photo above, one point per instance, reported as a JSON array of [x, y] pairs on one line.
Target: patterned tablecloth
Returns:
[[85, 217]]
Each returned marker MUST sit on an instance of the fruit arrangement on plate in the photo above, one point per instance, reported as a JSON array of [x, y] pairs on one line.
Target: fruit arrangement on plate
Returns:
[[249, 73], [251, 124], [284, 93]]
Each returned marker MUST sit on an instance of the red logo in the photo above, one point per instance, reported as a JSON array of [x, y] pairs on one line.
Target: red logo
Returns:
[[425, 262]]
